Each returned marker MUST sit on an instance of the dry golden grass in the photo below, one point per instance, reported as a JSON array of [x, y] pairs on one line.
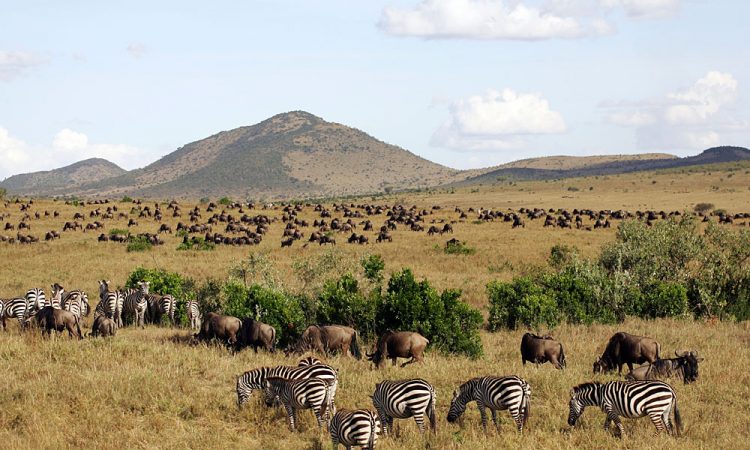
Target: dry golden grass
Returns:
[[152, 389]]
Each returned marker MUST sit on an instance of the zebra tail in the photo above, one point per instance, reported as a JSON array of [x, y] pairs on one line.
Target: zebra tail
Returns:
[[326, 402], [526, 405], [431, 412], [677, 419], [355, 347]]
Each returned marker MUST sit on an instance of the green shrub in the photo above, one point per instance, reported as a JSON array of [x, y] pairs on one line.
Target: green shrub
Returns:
[[665, 300], [126, 199], [341, 302], [520, 303], [373, 266], [118, 232], [458, 248], [449, 324], [138, 244], [165, 283], [225, 201], [703, 207], [197, 243], [182, 233], [561, 255]]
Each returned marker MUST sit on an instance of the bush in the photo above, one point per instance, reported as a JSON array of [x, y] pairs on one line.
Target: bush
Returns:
[[373, 266], [703, 207], [458, 248], [522, 302], [561, 255], [165, 283], [449, 324], [341, 302], [665, 300], [139, 244], [197, 243], [126, 199], [225, 201], [118, 232]]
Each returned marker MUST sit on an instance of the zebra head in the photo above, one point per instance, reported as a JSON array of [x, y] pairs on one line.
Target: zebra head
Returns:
[[461, 397], [57, 293], [272, 389], [103, 288], [144, 286], [581, 396]]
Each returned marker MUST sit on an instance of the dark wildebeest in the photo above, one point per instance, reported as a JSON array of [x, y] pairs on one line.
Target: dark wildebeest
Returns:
[[685, 366], [49, 318], [542, 349], [258, 334], [223, 328], [624, 348], [103, 327], [328, 339], [399, 344]]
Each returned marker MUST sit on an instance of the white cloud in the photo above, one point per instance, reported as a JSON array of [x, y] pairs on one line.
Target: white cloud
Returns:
[[646, 9], [67, 147], [14, 64], [693, 118], [497, 121], [137, 50]]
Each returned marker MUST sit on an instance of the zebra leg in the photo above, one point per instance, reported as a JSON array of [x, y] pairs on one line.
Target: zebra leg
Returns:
[[659, 422], [483, 415], [419, 418], [494, 419], [291, 414]]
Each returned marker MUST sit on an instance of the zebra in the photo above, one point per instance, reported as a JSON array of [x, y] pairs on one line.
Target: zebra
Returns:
[[255, 379], [35, 300], [308, 361], [76, 302], [403, 399], [631, 399], [135, 303], [58, 293], [160, 305], [309, 393], [108, 302], [359, 427], [496, 393], [14, 307], [194, 314]]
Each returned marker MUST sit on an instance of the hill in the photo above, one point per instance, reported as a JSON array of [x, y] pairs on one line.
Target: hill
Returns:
[[68, 177]]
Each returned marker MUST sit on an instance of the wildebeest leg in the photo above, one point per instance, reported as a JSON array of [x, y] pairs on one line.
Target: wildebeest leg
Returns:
[[412, 360], [630, 366], [394, 361]]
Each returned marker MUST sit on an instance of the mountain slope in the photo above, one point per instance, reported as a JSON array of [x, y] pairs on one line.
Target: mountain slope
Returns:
[[68, 177]]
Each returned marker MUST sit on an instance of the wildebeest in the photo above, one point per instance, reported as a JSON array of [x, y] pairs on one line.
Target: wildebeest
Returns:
[[542, 349], [625, 348], [223, 328], [103, 327], [257, 334], [399, 344], [49, 318], [328, 339], [685, 367]]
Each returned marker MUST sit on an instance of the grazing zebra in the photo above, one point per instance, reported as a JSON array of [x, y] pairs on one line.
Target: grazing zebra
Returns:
[[57, 296], [631, 399], [108, 302], [159, 306], [194, 314], [403, 399], [35, 300], [308, 361], [355, 428], [15, 307], [496, 393], [256, 378], [136, 303], [310, 393], [76, 302]]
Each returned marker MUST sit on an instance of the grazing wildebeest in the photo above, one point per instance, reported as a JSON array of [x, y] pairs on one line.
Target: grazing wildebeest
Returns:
[[399, 344], [329, 338], [685, 367], [625, 348], [49, 318], [542, 349], [103, 327], [223, 328], [257, 334]]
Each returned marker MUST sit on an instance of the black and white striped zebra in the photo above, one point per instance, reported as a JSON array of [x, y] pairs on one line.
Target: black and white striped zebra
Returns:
[[77, 302], [194, 314], [309, 393], [160, 306], [631, 399], [256, 379], [403, 399], [355, 428], [35, 301], [135, 303], [308, 361], [109, 301], [58, 292], [496, 393], [14, 307]]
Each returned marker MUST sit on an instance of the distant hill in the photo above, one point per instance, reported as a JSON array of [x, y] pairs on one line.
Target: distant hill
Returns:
[[68, 177], [579, 162], [620, 165]]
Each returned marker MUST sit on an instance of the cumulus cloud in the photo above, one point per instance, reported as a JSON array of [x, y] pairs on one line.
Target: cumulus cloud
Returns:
[[137, 50], [67, 147], [14, 64], [516, 19], [497, 120], [695, 117]]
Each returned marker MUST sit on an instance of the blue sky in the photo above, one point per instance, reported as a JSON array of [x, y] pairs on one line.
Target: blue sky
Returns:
[[466, 83]]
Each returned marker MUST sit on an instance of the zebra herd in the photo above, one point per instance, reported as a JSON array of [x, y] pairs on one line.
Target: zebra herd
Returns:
[[312, 385], [137, 306]]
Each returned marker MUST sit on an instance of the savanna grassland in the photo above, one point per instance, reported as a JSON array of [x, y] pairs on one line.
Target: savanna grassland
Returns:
[[154, 388]]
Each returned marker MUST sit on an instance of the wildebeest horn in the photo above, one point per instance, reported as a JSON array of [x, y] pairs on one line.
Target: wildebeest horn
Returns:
[[680, 355]]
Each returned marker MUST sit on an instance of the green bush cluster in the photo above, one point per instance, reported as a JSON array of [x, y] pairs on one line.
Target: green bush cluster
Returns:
[[458, 248], [196, 243], [166, 283], [138, 244]]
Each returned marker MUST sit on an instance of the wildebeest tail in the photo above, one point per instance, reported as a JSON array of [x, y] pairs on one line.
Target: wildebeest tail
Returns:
[[78, 327], [677, 419], [562, 356], [273, 340], [431, 411], [354, 346]]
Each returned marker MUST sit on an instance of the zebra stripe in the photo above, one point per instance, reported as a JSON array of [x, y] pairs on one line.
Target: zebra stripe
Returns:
[[35, 300], [631, 399], [310, 393], [108, 302], [308, 361], [194, 314], [159, 306], [496, 393], [355, 428], [256, 379], [403, 399], [57, 296], [135, 303], [77, 302], [15, 307]]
